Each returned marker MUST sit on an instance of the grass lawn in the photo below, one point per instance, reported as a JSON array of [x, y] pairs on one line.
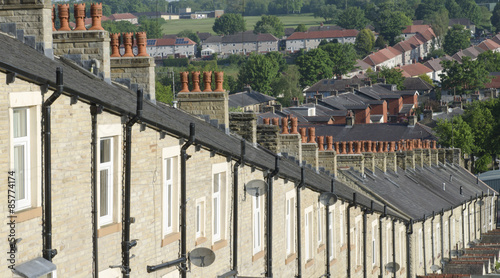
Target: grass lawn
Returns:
[[205, 25]]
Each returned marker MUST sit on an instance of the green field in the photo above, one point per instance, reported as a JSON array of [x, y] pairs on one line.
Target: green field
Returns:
[[205, 25]]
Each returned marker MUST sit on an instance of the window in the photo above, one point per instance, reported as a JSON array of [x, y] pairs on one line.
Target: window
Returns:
[[309, 232], [341, 232], [387, 241], [218, 201], [320, 226], [257, 224], [106, 181], [374, 242], [289, 222], [170, 190], [445, 238], [331, 232], [420, 247], [401, 245], [200, 218], [22, 161], [357, 240]]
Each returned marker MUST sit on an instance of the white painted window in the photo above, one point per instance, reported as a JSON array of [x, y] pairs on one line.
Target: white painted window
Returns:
[[290, 222], [200, 217], [445, 237], [22, 159], [106, 175], [387, 242], [331, 232], [341, 231], [420, 247], [357, 239], [320, 225], [309, 232], [401, 245], [170, 190], [219, 201], [437, 240], [374, 242], [257, 224]]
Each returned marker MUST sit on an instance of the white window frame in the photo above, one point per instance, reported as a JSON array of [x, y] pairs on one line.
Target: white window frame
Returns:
[[320, 225], [308, 215], [218, 200], [170, 189], [257, 223], [357, 241], [401, 245], [341, 227], [420, 247], [374, 242], [25, 143], [387, 241], [290, 222], [331, 232], [109, 166], [200, 217]]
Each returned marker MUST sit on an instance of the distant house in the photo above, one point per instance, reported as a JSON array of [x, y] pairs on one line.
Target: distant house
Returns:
[[239, 43], [167, 47], [312, 39], [436, 66], [251, 101], [154, 15], [465, 22], [125, 17], [415, 70], [389, 57]]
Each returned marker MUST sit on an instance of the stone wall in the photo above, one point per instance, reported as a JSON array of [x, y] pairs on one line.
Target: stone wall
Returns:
[[245, 125], [90, 49], [213, 104], [291, 144], [136, 73], [267, 136], [355, 161], [310, 154]]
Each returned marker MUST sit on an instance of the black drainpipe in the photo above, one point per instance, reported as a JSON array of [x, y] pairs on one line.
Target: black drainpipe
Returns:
[[127, 244], [468, 217], [409, 232], [394, 245], [480, 215], [432, 236], [423, 244], [463, 225], [299, 239], [442, 238], [380, 247], [269, 214], [365, 211], [449, 232], [235, 206], [183, 256], [328, 234], [94, 111], [48, 252], [352, 204]]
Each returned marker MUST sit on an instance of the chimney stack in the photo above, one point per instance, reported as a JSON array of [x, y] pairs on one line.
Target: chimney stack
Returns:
[[321, 141], [312, 135], [207, 79], [284, 124], [349, 119], [54, 18], [219, 79], [115, 45], [141, 39], [127, 42]]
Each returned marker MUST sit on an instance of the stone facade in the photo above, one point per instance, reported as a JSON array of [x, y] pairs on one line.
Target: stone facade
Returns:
[[135, 72]]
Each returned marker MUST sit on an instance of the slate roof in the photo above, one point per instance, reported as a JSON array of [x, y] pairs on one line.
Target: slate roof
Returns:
[[379, 91], [418, 192], [242, 99], [374, 132], [435, 64], [324, 34], [324, 28], [330, 85], [203, 35], [346, 101], [416, 84]]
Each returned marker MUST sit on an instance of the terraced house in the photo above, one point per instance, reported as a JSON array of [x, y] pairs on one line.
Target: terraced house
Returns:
[[110, 183]]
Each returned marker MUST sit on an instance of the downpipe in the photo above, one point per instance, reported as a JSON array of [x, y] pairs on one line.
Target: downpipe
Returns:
[[432, 237], [236, 167], [468, 217], [380, 247], [269, 216], [423, 244], [299, 238], [409, 232], [481, 215], [449, 232], [94, 111], [394, 245], [365, 211], [127, 244], [352, 204], [463, 225], [441, 237], [327, 274], [475, 223], [48, 252]]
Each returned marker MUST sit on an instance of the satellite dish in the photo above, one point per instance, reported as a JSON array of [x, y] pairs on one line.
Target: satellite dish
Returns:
[[256, 187], [202, 256], [480, 202], [435, 268], [450, 110], [392, 267], [328, 198]]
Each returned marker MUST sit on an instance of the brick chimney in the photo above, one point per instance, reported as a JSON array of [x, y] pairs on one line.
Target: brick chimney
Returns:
[[141, 40], [207, 80], [30, 22], [115, 45], [214, 104], [79, 13], [63, 11], [96, 14], [349, 119]]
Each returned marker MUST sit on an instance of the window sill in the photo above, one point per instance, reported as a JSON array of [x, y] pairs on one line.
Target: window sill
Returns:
[[172, 237], [200, 240], [290, 258], [28, 214], [358, 268], [219, 244], [309, 263], [321, 247], [375, 269], [343, 247], [332, 262], [258, 255], [109, 229]]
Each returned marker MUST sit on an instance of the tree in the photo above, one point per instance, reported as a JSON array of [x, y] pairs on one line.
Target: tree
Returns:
[[495, 18], [189, 34], [426, 78], [301, 28], [152, 27], [439, 21], [365, 41], [163, 93], [391, 75], [456, 133], [342, 56], [352, 18], [390, 24], [119, 26], [328, 12], [256, 7], [314, 66], [287, 86], [270, 24], [229, 24], [428, 7], [260, 71], [457, 38], [380, 42], [464, 78], [490, 60]]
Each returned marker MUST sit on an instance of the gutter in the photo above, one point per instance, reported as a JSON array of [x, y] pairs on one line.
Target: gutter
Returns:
[[299, 239], [269, 247], [48, 252], [127, 244]]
